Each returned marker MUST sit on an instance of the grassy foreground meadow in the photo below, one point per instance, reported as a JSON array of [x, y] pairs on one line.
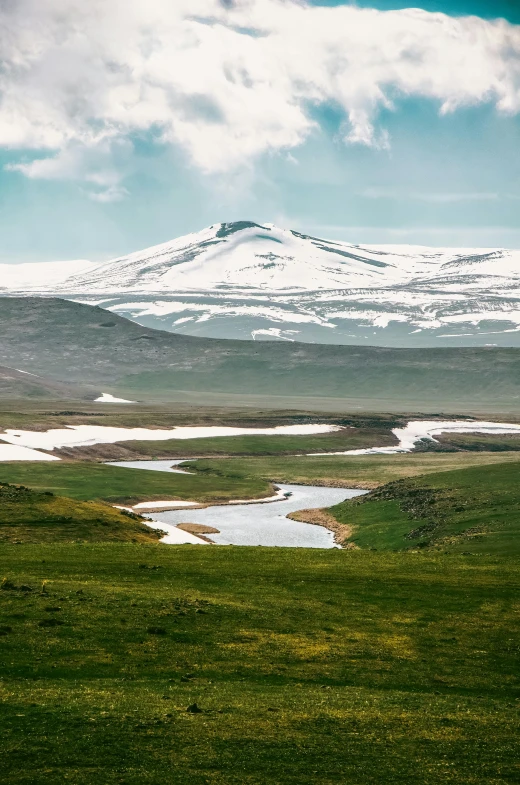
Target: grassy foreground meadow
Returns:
[[307, 666]]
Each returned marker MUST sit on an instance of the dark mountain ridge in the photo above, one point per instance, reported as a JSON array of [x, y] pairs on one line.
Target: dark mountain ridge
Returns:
[[70, 343]]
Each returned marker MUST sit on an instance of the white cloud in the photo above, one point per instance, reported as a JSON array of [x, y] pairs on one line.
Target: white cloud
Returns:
[[94, 165], [113, 193], [228, 81], [439, 197]]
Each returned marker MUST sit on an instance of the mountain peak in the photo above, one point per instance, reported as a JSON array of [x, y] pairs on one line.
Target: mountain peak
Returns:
[[245, 279], [227, 229]]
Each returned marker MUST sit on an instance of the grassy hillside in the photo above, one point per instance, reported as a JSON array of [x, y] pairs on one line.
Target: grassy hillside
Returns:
[[361, 471], [29, 516], [86, 345], [481, 442], [307, 667], [43, 415], [15, 384], [473, 510], [115, 484]]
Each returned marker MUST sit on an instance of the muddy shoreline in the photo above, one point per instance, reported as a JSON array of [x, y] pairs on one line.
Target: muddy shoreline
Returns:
[[319, 517]]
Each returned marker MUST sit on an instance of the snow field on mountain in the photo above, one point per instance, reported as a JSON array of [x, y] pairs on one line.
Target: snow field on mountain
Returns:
[[39, 276], [246, 280]]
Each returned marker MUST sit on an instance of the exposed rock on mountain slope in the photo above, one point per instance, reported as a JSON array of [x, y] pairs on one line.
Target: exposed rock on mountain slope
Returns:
[[246, 280]]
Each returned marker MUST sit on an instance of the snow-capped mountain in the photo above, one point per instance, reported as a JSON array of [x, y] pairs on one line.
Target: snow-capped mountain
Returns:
[[243, 280], [34, 276]]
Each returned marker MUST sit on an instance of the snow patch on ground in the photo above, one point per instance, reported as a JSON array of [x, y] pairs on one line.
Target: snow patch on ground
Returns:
[[275, 332], [11, 452], [88, 435], [107, 398], [174, 535], [154, 466], [172, 505], [428, 429]]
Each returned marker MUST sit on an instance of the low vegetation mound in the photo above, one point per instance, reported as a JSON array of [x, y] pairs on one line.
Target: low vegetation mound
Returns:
[[29, 516], [475, 510]]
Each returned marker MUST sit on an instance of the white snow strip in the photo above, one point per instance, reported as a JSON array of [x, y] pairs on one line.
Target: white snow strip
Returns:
[[151, 465], [474, 318], [87, 435], [417, 430], [427, 429], [107, 398], [10, 452], [278, 496], [275, 332], [174, 535], [172, 505]]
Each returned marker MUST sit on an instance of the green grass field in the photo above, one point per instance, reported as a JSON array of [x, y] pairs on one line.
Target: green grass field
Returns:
[[309, 667], [365, 471], [87, 481], [474, 509], [221, 479], [482, 442], [55, 414], [348, 439]]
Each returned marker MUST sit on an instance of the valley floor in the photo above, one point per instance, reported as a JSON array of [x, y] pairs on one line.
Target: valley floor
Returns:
[[136, 663]]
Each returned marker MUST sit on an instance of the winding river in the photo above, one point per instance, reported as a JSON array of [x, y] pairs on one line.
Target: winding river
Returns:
[[264, 523]]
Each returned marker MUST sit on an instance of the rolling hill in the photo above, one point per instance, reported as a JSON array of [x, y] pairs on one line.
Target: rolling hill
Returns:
[[25, 385], [473, 510], [29, 516], [85, 346], [247, 280]]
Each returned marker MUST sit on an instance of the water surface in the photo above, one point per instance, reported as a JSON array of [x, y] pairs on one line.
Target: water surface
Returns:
[[264, 524], [154, 466]]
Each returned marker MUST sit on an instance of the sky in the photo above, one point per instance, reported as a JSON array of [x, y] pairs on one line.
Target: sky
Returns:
[[126, 123]]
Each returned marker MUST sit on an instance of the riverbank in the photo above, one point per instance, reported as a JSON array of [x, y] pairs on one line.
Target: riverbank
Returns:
[[320, 517]]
